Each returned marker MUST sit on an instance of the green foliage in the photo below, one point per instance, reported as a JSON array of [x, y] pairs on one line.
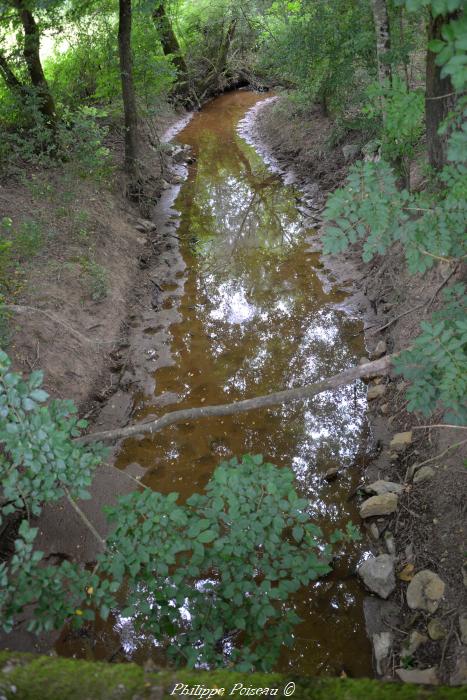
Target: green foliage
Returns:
[[5, 249], [39, 459], [88, 70], [78, 140], [452, 48], [371, 208], [210, 580], [55, 591], [403, 123], [430, 226], [325, 50], [18, 246], [213, 585], [436, 363]]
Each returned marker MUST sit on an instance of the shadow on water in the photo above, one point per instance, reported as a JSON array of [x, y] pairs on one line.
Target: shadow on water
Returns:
[[254, 318]]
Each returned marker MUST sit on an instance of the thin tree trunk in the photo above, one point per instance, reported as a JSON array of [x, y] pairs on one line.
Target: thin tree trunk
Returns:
[[169, 41], [439, 98], [225, 45], [128, 91], [8, 76], [221, 61], [383, 39], [402, 33], [277, 398], [33, 61]]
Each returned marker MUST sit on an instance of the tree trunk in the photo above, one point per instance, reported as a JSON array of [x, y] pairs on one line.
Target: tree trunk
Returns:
[[33, 61], [128, 91], [439, 98], [169, 41], [225, 45], [8, 76], [383, 39], [212, 78]]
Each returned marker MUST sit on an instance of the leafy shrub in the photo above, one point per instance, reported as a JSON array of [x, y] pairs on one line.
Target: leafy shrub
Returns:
[[81, 138], [209, 580], [436, 364], [403, 123], [20, 244], [78, 140], [213, 586], [38, 456]]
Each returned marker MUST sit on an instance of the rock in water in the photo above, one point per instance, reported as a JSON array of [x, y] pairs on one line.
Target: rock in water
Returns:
[[332, 474], [384, 504], [425, 591], [377, 573]]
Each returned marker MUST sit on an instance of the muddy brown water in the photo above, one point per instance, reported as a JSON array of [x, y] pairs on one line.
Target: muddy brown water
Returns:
[[255, 316]]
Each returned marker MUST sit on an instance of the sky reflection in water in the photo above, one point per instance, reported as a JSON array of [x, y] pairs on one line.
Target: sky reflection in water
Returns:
[[255, 319]]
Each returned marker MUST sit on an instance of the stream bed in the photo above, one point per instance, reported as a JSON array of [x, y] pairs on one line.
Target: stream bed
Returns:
[[248, 309]]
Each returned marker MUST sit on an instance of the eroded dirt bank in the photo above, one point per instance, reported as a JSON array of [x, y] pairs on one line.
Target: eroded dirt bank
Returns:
[[425, 530], [73, 312]]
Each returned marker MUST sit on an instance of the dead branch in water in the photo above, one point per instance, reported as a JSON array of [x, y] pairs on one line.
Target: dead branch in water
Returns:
[[368, 369]]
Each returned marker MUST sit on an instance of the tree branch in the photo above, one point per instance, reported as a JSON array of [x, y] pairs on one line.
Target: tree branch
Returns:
[[368, 369], [83, 517]]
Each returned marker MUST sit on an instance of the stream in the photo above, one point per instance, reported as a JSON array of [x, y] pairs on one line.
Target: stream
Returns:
[[248, 311]]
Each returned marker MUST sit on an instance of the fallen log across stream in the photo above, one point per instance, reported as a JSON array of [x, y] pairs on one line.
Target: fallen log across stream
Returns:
[[369, 369]]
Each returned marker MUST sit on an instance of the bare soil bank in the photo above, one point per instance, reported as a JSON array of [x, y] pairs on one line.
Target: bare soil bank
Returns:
[[427, 531]]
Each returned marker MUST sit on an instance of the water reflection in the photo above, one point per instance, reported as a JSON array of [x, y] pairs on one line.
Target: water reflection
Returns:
[[254, 318]]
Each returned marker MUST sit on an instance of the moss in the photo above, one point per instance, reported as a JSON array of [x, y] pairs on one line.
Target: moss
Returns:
[[31, 677]]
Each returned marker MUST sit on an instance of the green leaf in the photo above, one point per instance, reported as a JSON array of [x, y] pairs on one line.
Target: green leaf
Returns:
[[297, 533], [207, 536]]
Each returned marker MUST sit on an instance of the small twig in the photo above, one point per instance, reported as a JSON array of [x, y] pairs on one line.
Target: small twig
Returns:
[[131, 477], [396, 629], [439, 288], [415, 515], [83, 517], [441, 454], [439, 425], [389, 323], [441, 97], [415, 308], [445, 645]]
